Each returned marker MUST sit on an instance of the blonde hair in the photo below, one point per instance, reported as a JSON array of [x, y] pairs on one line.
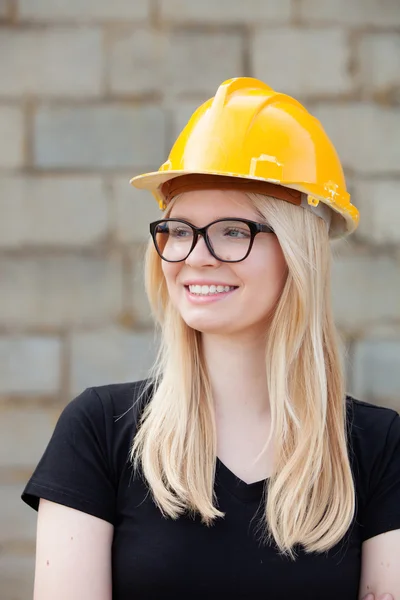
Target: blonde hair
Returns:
[[311, 496]]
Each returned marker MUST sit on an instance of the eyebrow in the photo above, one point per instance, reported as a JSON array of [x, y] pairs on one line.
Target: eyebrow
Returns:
[[217, 219]]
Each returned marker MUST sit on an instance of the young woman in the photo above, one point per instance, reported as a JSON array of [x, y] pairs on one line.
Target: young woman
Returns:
[[240, 468]]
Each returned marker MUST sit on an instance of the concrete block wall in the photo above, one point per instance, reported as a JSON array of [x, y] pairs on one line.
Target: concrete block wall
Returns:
[[95, 91]]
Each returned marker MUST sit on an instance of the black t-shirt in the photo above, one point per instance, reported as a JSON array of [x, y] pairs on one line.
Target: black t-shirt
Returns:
[[86, 467]]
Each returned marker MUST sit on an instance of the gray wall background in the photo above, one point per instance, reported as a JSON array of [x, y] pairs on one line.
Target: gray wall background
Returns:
[[95, 91]]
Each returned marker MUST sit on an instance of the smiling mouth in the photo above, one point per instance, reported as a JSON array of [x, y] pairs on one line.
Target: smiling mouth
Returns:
[[210, 290]]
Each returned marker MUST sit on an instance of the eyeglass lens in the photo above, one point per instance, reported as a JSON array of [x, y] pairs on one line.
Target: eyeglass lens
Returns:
[[230, 240]]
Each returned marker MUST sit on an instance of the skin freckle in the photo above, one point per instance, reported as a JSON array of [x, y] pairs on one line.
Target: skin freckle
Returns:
[[47, 563]]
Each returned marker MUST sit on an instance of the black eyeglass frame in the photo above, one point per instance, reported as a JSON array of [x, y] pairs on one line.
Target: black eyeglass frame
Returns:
[[253, 226]]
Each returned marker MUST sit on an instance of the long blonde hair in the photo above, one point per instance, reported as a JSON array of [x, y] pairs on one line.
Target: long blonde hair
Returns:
[[310, 496]]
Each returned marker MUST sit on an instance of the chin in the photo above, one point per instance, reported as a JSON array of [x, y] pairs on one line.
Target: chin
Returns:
[[204, 325], [211, 326], [228, 324]]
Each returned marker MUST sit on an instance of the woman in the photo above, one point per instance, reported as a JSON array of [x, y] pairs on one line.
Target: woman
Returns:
[[239, 468]]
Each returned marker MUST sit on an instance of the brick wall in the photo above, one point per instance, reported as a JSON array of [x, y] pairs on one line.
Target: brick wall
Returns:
[[94, 91]]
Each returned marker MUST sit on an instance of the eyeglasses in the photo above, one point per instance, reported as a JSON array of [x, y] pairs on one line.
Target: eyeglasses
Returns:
[[228, 240]]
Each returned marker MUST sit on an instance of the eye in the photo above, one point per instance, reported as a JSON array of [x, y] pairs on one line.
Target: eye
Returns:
[[236, 232], [181, 232], [162, 229]]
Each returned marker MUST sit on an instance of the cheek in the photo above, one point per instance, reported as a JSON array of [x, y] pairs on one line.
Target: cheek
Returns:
[[279, 267], [171, 272], [267, 269]]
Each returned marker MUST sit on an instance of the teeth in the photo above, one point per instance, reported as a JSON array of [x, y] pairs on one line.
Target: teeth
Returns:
[[206, 290]]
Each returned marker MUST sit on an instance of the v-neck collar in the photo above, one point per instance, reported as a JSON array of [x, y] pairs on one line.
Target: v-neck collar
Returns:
[[246, 492]]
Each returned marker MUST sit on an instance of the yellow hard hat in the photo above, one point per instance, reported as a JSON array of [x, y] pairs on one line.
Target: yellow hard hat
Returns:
[[249, 131]]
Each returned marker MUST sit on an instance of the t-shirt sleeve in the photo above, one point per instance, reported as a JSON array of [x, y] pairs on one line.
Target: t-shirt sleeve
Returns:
[[382, 511], [75, 469]]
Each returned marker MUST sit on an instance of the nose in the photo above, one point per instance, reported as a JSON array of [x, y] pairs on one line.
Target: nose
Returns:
[[200, 256]]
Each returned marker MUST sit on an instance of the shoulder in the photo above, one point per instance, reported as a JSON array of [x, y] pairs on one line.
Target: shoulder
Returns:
[[87, 454], [374, 453], [369, 421], [105, 417], [111, 401], [374, 441]]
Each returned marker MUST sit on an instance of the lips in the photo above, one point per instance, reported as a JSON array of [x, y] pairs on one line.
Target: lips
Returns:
[[206, 290], [206, 282]]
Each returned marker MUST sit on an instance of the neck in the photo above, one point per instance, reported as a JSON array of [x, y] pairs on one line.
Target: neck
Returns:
[[237, 374]]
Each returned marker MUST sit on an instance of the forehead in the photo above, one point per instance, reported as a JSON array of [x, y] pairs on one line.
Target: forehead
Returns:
[[204, 206]]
